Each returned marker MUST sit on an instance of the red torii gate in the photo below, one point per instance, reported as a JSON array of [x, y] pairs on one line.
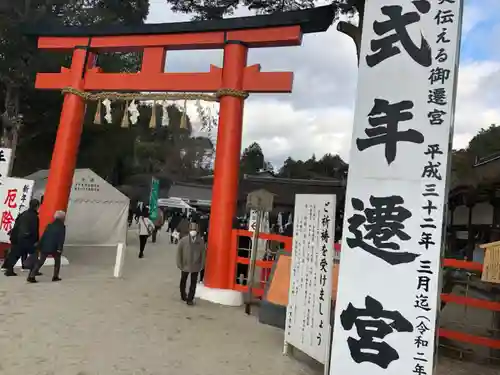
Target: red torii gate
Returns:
[[233, 82]]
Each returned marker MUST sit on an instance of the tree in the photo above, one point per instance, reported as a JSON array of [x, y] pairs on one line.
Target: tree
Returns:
[[144, 149], [332, 166], [485, 143], [217, 9], [20, 60], [293, 169], [253, 161], [329, 166]]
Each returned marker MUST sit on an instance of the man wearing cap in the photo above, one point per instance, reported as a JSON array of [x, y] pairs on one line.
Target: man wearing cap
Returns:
[[51, 243]]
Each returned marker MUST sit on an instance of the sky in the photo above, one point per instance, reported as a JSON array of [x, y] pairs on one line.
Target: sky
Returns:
[[316, 118]]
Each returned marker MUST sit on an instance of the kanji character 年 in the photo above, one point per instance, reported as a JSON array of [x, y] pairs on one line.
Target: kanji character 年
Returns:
[[384, 119]]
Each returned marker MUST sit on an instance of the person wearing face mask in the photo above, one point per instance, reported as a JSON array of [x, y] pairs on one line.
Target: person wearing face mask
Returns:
[[190, 261]]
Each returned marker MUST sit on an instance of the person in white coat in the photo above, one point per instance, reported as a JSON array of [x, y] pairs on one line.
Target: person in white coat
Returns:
[[146, 228]]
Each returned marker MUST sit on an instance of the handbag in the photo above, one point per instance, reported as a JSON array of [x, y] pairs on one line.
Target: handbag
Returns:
[[148, 227]]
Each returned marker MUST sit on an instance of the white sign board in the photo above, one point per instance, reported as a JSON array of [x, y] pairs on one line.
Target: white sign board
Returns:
[[388, 291], [5, 156], [307, 324], [264, 227], [15, 195]]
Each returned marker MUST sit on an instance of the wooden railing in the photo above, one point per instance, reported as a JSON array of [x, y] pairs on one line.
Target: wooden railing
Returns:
[[265, 266]]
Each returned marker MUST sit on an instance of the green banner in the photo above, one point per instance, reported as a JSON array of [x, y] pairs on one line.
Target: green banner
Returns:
[[153, 199]]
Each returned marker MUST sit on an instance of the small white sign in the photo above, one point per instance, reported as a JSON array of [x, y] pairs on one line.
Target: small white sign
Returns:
[[5, 156], [15, 195], [307, 325], [264, 227], [388, 290]]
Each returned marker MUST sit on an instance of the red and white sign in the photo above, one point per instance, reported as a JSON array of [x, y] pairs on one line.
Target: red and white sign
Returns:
[[15, 195], [5, 156]]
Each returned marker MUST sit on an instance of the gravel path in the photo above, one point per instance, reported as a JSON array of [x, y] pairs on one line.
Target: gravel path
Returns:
[[92, 324]]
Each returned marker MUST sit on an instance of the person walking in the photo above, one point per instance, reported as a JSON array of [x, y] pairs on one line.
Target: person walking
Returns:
[[172, 225], [51, 244], [160, 220], [23, 237], [146, 228], [190, 261], [130, 217], [183, 226], [203, 228]]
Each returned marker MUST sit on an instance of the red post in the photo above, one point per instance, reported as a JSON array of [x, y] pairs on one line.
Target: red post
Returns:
[[65, 152], [227, 164]]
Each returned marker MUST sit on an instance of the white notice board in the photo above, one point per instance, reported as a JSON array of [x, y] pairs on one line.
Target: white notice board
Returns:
[[264, 228], [5, 156], [307, 325], [388, 290], [15, 195]]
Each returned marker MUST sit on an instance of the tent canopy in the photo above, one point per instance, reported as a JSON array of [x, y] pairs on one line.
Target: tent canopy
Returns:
[[174, 203], [97, 212]]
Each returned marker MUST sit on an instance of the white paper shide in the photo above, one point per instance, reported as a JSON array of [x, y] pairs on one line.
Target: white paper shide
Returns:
[[388, 291], [307, 324]]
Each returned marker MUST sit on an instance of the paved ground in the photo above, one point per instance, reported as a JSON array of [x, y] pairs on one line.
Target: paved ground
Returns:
[[92, 324]]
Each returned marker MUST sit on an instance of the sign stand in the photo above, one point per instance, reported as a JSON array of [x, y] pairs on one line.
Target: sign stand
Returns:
[[288, 350], [253, 260], [261, 201], [119, 261], [387, 305], [491, 270], [307, 325]]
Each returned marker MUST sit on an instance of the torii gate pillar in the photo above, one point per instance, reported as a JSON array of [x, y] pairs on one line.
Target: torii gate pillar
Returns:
[[65, 151], [227, 167]]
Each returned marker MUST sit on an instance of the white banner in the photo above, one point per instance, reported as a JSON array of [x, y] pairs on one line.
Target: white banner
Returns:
[[388, 291], [307, 324], [5, 156], [15, 195]]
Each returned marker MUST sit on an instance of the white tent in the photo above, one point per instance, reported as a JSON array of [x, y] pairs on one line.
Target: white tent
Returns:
[[173, 202], [97, 212]]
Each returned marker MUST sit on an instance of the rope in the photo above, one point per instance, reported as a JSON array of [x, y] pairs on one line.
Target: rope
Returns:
[[155, 96]]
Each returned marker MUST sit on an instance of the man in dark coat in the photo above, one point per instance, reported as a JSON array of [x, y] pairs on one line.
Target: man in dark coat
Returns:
[[52, 243], [160, 220], [23, 238]]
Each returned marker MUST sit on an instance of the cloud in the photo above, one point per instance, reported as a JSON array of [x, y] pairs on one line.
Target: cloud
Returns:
[[474, 14], [317, 117], [476, 107], [283, 130]]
